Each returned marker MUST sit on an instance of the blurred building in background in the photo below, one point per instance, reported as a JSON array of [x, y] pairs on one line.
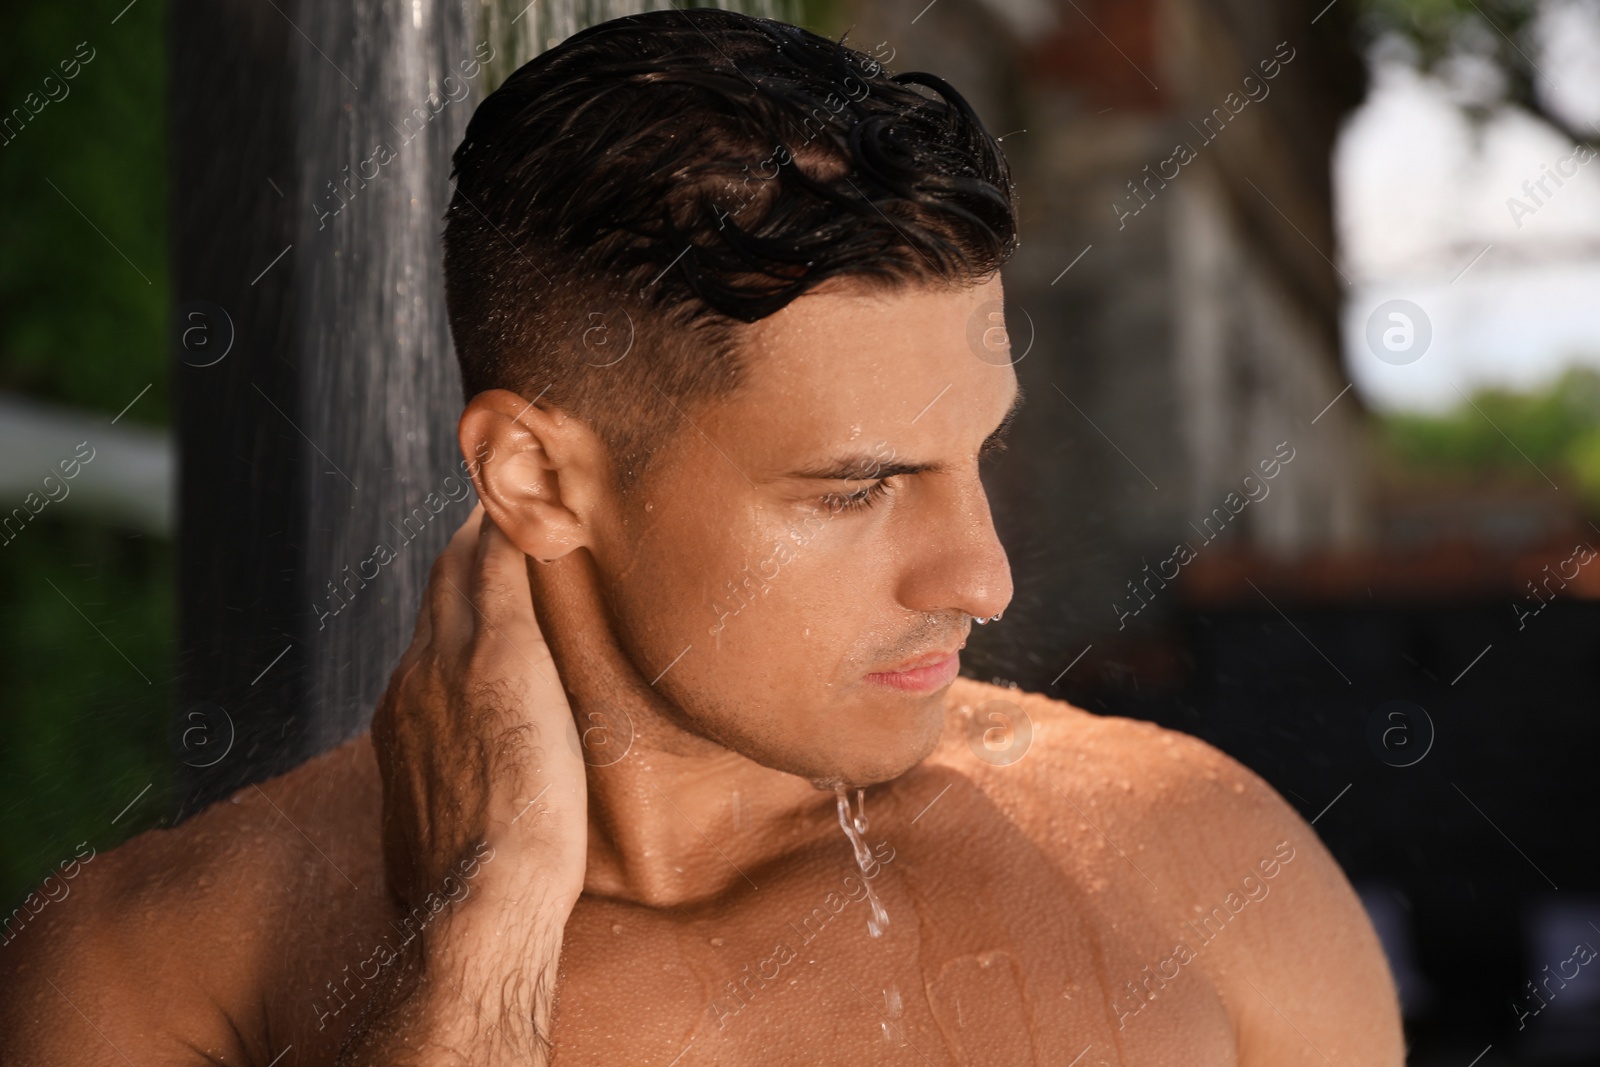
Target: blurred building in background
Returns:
[[1174, 304]]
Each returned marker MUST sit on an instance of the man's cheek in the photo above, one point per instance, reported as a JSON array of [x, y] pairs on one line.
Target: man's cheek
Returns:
[[787, 641]]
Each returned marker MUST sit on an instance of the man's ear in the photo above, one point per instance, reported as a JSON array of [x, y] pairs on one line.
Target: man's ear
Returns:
[[538, 471]]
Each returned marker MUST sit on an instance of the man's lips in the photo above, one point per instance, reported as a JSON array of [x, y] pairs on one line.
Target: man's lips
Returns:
[[923, 674]]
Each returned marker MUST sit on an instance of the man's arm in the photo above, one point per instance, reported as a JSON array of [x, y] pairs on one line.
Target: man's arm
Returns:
[[1295, 956], [89, 981], [482, 778], [1244, 882], [1310, 982]]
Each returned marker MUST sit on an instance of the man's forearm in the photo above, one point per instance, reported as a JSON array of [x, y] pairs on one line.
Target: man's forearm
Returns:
[[480, 990]]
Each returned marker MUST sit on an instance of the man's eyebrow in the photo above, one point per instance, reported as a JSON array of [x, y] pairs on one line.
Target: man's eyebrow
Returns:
[[870, 467], [861, 468]]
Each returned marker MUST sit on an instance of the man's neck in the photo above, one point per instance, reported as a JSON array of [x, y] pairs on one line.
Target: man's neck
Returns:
[[673, 817]]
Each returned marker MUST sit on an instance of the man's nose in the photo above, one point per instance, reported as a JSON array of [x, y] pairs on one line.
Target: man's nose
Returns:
[[957, 562]]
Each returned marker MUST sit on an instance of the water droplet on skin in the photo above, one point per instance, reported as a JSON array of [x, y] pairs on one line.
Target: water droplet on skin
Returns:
[[854, 827], [616, 928], [893, 1009], [717, 942]]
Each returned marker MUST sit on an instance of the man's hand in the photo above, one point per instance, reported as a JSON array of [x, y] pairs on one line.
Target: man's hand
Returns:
[[484, 803]]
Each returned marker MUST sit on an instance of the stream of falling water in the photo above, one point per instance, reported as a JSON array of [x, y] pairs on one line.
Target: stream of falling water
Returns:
[[854, 827]]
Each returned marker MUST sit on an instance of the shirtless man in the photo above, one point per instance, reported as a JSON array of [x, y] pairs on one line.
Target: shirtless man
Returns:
[[710, 573]]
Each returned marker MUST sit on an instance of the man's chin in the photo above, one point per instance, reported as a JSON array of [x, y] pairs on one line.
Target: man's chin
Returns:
[[858, 757]]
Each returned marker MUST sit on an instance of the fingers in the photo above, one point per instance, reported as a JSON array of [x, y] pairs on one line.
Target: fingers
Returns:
[[500, 577], [500, 591], [449, 621], [478, 603]]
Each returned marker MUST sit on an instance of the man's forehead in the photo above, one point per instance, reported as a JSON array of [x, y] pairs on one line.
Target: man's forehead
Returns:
[[860, 361]]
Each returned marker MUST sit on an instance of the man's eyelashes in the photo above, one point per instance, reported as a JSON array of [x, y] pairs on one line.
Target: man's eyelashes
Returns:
[[861, 499]]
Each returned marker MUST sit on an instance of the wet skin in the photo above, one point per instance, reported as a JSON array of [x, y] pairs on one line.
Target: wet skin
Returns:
[[1119, 895]]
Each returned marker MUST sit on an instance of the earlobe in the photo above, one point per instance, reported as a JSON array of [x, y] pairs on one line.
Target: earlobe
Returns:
[[537, 475]]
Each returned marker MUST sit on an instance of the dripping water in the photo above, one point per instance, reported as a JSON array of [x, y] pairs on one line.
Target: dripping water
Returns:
[[854, 826]]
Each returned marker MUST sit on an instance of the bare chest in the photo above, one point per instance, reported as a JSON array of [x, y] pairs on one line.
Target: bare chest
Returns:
[[990, 957]]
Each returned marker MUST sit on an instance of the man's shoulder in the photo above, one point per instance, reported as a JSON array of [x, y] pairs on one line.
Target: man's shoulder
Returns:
[[1158, 824], [996, 729], [177, 917], [1165, 816], [271, 844]]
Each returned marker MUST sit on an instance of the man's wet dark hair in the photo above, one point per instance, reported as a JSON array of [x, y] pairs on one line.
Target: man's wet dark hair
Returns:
[[656, 182]]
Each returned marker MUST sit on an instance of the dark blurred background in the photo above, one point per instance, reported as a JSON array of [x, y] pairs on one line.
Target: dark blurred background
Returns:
[[1350, 244]]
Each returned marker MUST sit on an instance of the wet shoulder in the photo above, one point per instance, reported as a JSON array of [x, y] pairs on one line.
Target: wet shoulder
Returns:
[[1121, 802], [1161, 832], [1006, 735], [175, 931]]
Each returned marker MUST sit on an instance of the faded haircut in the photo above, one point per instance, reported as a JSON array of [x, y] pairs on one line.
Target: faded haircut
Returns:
[[629, 201]]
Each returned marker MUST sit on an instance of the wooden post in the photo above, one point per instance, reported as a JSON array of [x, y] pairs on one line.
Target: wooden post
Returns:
[[310, 173], [316, 387]]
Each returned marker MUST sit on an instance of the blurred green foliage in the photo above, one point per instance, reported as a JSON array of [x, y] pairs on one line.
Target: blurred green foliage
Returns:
[[1436, 26], [829, 18], [1499, 32], [1502, 435], [82, 322], [86, 728], [82, 205]]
